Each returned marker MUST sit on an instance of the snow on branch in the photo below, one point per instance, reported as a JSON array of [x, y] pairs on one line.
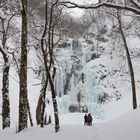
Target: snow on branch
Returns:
[[135, 9], [136, 3]]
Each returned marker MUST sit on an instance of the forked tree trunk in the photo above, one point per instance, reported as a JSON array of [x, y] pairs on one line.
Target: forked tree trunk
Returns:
[[47, 68], [57, 127], [40, 111]]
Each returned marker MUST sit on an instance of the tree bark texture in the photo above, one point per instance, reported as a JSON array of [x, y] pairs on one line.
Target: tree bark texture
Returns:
[[23, 117], [5, 80], [5, 95]]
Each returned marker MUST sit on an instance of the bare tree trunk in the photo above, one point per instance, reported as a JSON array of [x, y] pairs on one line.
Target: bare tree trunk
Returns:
[[42, 101], [29, 113], [51, 78], [129, 64], [42, 98], [57, 127], [43, 105], [38, 109], [5, 95], [23, 117], [5, 80]]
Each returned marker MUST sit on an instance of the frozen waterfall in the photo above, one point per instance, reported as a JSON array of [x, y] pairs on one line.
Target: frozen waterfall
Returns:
[[82, 90]]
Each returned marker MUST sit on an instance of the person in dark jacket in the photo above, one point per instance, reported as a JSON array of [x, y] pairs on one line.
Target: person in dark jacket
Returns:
[[85, 119], [89, 119]]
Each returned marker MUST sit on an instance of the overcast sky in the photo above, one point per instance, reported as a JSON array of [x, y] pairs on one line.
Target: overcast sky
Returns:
[[76, 12]]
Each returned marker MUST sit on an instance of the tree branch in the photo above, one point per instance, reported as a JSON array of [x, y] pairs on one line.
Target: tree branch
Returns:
[[135, 3], [105, 4]]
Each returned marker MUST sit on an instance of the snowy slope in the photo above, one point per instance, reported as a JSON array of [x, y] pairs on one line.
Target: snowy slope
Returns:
[[125, 127]]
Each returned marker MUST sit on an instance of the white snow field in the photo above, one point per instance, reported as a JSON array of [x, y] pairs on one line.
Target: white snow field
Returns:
[[125, 127]]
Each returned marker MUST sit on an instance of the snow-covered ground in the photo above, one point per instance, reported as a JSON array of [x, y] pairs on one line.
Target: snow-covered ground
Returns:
[[125, 127]]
